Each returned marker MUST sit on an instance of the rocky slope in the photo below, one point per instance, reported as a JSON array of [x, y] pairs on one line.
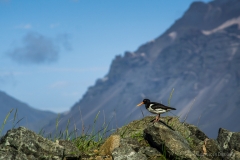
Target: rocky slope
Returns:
[[198, 56], [31, 118], [168, 139]]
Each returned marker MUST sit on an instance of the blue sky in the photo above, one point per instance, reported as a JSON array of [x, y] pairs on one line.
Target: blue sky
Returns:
[[51, 51]]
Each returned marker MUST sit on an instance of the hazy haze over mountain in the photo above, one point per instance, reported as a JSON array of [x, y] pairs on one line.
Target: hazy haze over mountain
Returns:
[[198, 56], [31, 118]]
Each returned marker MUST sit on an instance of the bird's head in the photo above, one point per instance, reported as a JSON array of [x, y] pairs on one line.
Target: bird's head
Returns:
[[145, 101]]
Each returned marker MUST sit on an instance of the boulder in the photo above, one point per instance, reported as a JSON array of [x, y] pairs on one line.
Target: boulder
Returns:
[[127, 152], [187, 139], [234, 155], [130, 142], [23, 144], [228, 140], [134, 128], [171, 139], [150, 152], [131, 149], [211, 149], [195, 131], [229, 143], [169, 142]]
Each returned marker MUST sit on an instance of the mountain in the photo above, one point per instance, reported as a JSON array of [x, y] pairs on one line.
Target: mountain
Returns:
[[198, 56], [31, 118]]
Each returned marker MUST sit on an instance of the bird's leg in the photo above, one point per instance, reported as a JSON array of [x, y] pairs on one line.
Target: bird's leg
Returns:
[[157, 118]]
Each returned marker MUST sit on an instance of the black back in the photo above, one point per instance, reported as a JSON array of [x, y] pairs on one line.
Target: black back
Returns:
[[156, 105]]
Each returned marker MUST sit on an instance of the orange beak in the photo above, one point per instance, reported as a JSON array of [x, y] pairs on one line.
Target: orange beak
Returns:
[[140, 104]]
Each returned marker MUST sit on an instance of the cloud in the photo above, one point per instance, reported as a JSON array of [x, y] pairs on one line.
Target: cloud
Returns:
[[63, 39], [7, 78], [54, 25], [24, 26], [59, 84], [74, 70], [37, 49]]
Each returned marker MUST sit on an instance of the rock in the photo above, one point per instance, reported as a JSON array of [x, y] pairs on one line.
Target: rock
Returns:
[[196, 132], [173, 139], [70, 150], [190, 136], [169, 142], [211, 149], [103, 158], [127, 153], [127, 150], [228, 140], [229, 143], [134, 128], [133, 143], [234, 155], [224, 137], [23, 144], [131, 149], [150, 152], [109, 145]]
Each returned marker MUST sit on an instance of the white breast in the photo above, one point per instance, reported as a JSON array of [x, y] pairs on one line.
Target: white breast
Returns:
[[155, 111]]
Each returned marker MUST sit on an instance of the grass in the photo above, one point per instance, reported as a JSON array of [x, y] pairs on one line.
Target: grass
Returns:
[[87, 143], [89, 140], [5, 121], [14, 123]]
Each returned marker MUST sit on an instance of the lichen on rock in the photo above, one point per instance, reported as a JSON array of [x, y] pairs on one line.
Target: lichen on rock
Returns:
[[24, 144]]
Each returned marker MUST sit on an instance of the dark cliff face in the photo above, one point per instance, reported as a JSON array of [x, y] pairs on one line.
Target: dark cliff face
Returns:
[[199, 56]]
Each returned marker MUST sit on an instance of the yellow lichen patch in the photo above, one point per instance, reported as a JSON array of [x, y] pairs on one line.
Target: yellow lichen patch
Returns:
[[110, 144], [204, 147]]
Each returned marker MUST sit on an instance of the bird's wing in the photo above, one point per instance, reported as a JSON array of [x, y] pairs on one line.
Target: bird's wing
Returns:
[[159, 105]]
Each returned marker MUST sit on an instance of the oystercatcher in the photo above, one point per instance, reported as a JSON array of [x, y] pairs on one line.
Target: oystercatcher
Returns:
[[155, 108]]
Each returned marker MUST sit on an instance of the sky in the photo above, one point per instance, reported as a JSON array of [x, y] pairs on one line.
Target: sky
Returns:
[[51, 51]]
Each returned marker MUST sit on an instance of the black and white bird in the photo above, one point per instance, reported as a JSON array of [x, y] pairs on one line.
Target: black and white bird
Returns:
[[155, 108]]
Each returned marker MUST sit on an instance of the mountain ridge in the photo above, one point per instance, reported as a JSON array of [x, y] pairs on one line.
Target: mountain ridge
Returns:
[[32, 118], [202, 67]]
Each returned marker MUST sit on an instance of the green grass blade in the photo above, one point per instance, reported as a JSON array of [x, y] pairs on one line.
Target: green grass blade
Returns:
[[170, 97], [17, 122], [5, 121]]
